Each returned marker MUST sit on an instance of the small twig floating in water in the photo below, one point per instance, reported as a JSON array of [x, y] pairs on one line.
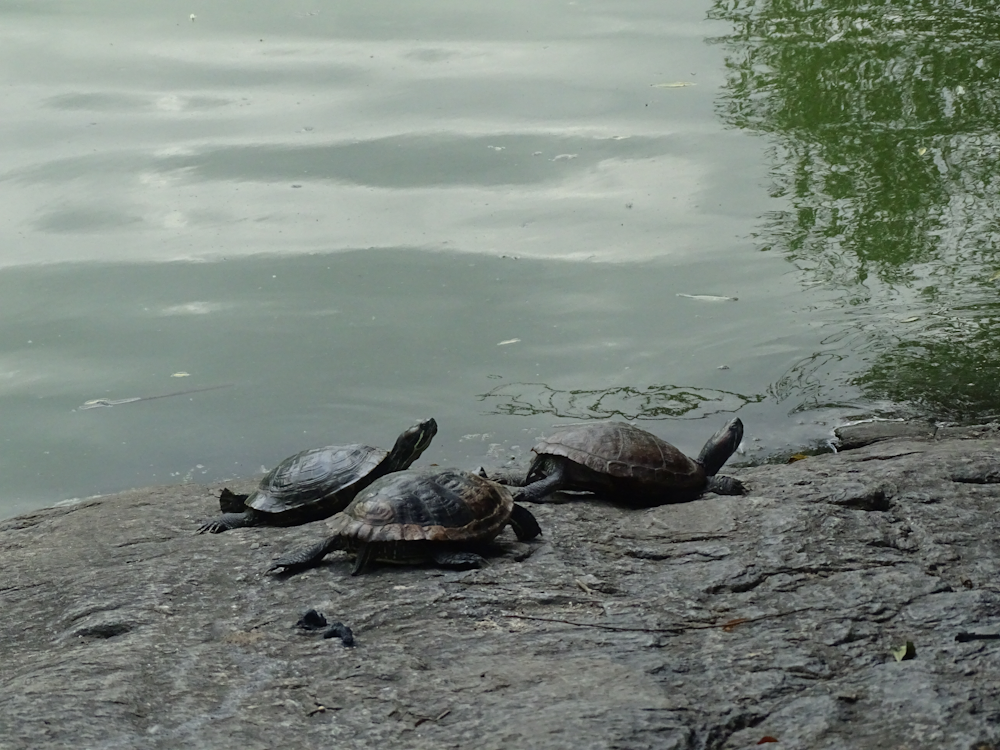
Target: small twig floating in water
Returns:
[[96, 402], [709, 297]]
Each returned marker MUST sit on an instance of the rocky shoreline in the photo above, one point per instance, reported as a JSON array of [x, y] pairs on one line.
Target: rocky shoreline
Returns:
[[720, 623]]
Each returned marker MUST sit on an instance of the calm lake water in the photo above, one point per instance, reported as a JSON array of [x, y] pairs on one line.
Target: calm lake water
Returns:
[[283, 225]]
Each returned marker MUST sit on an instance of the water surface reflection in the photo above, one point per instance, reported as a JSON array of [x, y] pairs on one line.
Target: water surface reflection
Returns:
[[883, 123]]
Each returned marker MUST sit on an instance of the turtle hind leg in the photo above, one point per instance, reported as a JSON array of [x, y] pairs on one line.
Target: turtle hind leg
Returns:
[[307, 557], [725, 486], [458, 559], [524, 524], [228, 521]]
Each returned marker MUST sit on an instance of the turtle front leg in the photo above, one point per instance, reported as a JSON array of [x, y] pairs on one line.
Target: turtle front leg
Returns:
[[725, 486], [228, 521], [307, 557], [535, 492]]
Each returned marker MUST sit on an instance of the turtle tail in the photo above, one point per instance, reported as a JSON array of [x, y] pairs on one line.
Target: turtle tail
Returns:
[[365, 554], [721, 446]]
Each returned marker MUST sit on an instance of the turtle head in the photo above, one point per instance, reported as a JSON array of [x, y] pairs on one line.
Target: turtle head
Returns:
[[721, 446], [412, 443]]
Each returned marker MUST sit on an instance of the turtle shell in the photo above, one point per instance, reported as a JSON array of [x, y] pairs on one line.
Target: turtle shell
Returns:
[[623, 452], [441, 506], [314, 477]]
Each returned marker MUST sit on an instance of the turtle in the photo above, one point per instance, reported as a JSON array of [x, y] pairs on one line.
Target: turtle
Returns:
[[316, 483], [626, 464], [411, 517]]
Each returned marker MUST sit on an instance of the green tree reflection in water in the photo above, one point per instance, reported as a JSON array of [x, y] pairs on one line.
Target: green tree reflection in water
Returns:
[[884, 118]]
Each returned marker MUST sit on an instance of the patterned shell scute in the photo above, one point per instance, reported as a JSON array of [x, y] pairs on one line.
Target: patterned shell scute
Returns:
[[449, 505], [620, 450], [314, 476]]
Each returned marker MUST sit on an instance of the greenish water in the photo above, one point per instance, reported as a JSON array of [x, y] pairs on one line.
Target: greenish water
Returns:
[[321, 224]]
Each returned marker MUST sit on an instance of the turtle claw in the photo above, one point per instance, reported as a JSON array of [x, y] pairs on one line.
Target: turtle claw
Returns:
[[213, 527], [284, 565], [225, 522], [281, 567]]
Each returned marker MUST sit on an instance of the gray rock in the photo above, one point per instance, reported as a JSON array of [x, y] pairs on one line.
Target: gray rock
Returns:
[[708, 624], [865, 433]]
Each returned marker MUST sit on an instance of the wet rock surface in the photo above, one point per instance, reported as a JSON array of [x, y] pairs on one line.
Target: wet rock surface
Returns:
[[709, 624]]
